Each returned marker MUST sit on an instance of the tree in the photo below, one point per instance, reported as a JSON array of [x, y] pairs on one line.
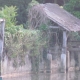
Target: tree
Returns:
[[73, 7], [21, 5], [9, 14]]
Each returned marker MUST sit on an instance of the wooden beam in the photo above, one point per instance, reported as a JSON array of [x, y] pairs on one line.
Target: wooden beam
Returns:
[[2, 25], [79, 59], [54, 27], [74, 49]]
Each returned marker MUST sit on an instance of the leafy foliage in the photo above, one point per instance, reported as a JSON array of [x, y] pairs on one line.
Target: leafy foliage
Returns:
[[73, 7], [9, 14], [24, 42], [21, 5], [32, 3]]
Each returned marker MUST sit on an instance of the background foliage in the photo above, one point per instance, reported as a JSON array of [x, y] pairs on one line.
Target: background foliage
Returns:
[[22, 6], [73, 7]]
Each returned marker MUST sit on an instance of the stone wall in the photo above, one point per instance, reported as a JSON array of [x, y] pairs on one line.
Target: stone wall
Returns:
[[43, 66], [52, 63], [7, 66]]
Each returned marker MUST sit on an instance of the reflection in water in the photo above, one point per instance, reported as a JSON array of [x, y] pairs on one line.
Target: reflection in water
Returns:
[[40, 77], [48, 76]]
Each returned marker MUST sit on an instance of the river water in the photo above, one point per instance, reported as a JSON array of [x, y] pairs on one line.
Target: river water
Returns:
[[47, 76]]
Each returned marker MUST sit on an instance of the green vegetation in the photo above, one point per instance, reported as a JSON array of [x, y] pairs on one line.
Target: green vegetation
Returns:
[[73, 6], [9, 14]]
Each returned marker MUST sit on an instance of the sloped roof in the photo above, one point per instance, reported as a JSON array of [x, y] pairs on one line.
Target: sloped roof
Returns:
[[61, 17]]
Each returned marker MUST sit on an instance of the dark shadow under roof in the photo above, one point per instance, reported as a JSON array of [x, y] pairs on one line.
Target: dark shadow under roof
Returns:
[[61, 17]]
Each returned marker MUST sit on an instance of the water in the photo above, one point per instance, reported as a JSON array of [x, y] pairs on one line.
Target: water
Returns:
[[47, 76]]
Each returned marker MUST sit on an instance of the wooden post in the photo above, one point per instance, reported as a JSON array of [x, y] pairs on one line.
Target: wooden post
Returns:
[[49, 61], [63, 55], [72, 59], [79, 59], [67, 76], [68, 60], [2, 24]]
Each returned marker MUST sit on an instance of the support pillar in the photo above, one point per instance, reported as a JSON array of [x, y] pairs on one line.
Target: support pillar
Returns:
[[68, 60], [2, 24], [79, 60], [64, 49], [72, 62]]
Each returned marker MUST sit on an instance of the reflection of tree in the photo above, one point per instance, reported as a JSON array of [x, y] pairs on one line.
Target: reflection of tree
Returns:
[[73, 75], [40, 76], [47, 77], [34, 76]]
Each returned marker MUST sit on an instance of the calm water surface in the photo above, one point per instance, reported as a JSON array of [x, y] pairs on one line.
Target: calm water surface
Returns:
[[47, 76]]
